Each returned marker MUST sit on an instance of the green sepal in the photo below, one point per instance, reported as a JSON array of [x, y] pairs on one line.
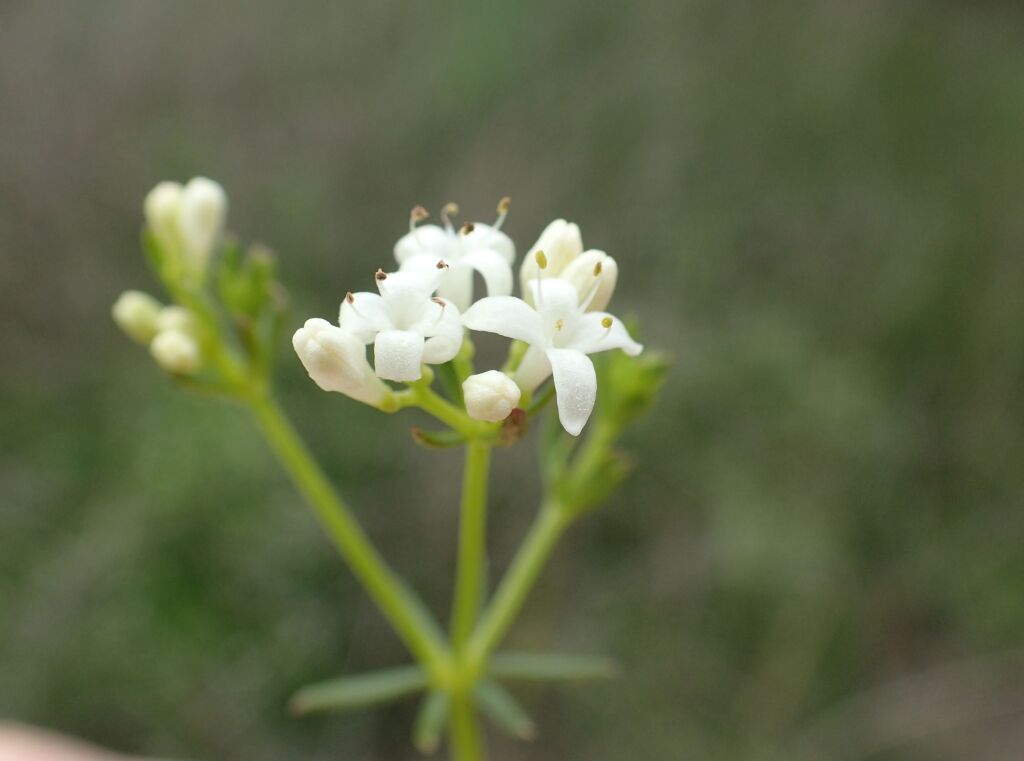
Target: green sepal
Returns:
[[504, 710], [550, 667], [349, 692], [429, 727], [445, 439]]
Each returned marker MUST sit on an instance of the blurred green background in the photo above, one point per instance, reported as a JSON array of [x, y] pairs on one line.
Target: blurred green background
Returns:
[[818, 209]]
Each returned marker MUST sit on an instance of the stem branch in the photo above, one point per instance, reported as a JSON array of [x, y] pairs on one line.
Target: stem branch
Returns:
[[472, 542]]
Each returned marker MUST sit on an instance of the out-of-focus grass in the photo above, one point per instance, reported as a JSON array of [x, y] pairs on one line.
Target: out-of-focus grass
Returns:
[[817, 210]]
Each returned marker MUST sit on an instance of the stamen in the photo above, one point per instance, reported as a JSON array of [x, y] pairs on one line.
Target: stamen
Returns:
[[503, 207], [380, 275], [442, 264], [606, 323], [467, 228], [417, 215], [597, 270], [449, 209], [592, 291], [559, 324], [441, 303], [542, 264], [351, 300]]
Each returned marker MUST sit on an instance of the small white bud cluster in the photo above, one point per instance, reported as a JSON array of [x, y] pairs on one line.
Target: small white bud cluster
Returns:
[[169, 331], [187, 220], [490, 396]]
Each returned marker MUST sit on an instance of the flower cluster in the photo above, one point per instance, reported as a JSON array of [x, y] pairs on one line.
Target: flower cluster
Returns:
[[420, 311]]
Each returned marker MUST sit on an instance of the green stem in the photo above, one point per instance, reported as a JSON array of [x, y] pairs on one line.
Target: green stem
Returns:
[[407, 614], [464, 731], [472, 542], [551, 522], [430, 401]]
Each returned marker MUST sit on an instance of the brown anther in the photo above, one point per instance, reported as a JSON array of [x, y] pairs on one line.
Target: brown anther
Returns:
[[350, 298], [442, 264], [418, 214], [440, 301], [503, 205], [542, 260], [467, 228], [381, 274], [597, 269], [606, 323]]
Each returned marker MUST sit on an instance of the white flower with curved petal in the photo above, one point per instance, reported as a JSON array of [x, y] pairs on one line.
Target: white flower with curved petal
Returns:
[[561, 242], [336, 361], [561, 335], [407, 326], [475, 247]]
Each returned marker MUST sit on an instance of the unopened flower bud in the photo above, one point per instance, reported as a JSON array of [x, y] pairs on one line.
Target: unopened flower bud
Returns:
[[175, 318], [176, 352], [490, 396], [204, 207], [594, 275], [336, 361], [136, 313], [561, 243], [162, 208]]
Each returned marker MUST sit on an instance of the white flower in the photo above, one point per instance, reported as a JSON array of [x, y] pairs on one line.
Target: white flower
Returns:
[[406, 325], [176, 352], [594, 274], [490, 396], [474, 247], [187, 220], [561, 243], [561, 334], [336, 361], [136, 313]]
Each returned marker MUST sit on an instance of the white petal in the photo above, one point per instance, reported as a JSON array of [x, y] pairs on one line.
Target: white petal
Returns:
[[457, 286], [427, 240], [575, 387], [580, 272], [561, 242], [555, 298], [533, 370], [507, 316], [485, 237], [336, 361], [364, 316], [495, 269], [397, 355], [444, 335], [589, 335]]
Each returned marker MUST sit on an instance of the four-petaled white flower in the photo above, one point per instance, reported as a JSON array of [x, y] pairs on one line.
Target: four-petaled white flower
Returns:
[[561, 333], [474, 247], [407, 325]]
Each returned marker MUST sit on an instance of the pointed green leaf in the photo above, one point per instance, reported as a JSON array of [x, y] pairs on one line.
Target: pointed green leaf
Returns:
[[504, 710], [358, 691], [546, 667], [430, 721]]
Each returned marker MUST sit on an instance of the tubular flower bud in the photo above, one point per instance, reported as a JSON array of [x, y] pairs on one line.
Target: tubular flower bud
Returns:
[[137, 314], [490, 396], [201, 217], [561, 242], [594, 275], [336, 361], [162, 208], [176, 352]]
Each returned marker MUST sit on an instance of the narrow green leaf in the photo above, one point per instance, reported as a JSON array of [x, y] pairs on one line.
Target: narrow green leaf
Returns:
[[437, 439], [504, 710], [546, 667], [430, 721], [358, 691]]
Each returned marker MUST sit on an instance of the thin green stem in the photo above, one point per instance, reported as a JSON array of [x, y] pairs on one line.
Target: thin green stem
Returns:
[[407, 614], [551, 522], [430, 401], [472, 542], [464, 731]]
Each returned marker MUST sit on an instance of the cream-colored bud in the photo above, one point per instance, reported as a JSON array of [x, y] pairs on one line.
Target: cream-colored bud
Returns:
[[204, 207], [561, 242], [490, 396], [162, 208], [176, 352], [336, 361], [594, 275], [136, 313], [175, 318]]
